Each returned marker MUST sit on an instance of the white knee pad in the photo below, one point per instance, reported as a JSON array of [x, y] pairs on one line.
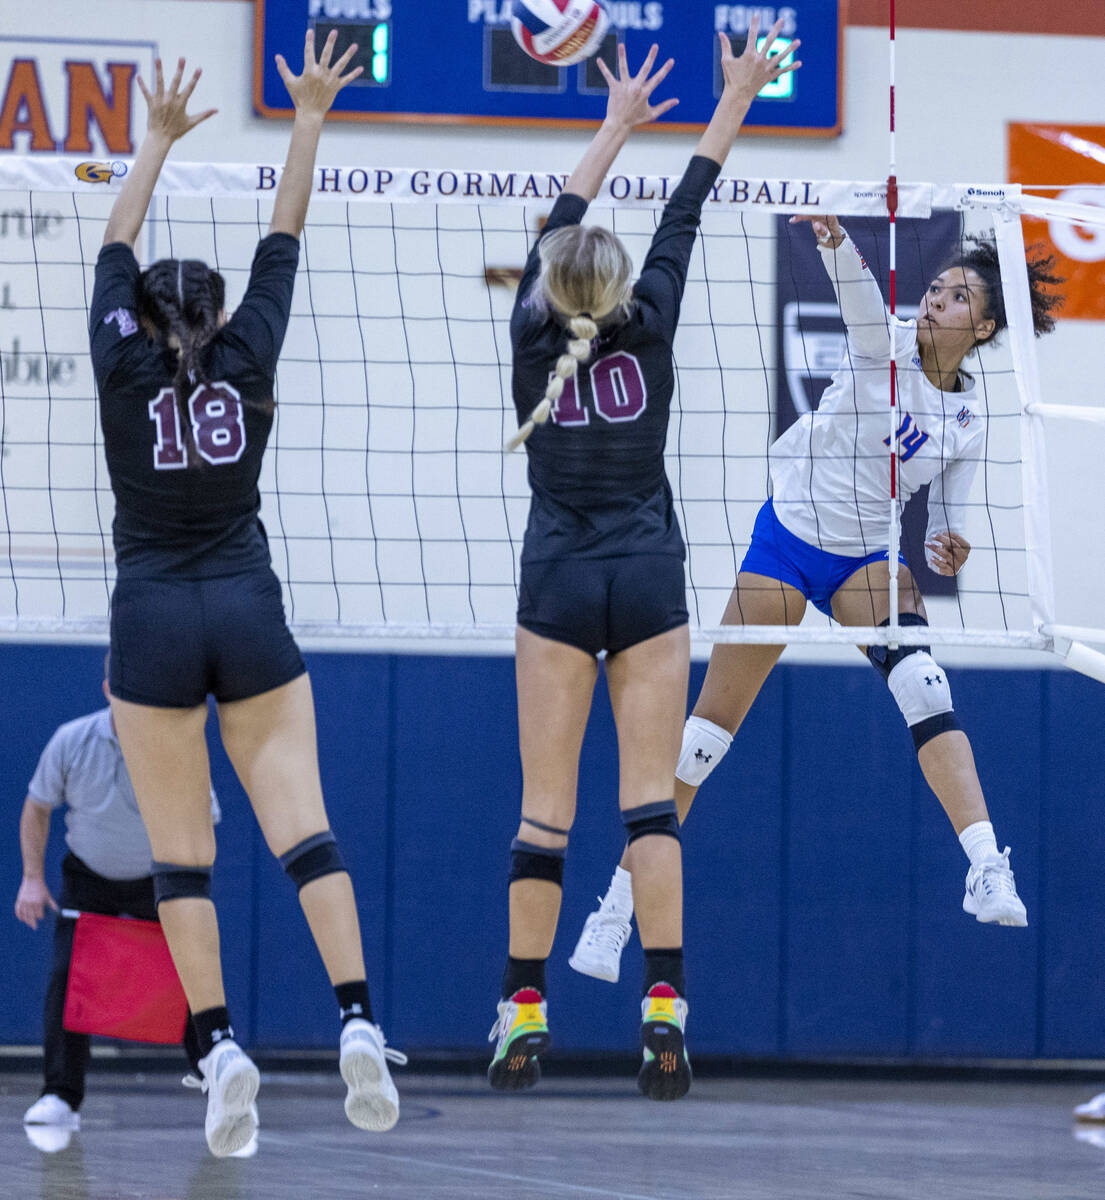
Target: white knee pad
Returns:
[[920, 688], [704, 746]]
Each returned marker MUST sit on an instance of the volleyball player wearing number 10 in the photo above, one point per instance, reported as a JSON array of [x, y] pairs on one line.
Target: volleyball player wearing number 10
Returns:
[[186, 404], [602, 560]]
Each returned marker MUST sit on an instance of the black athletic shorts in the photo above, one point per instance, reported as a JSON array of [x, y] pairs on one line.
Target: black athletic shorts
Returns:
[[174, 641], [603, 603]]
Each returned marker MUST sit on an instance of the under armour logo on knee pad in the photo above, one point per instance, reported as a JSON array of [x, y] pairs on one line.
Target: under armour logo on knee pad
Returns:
[[931, 679], [702, 757]]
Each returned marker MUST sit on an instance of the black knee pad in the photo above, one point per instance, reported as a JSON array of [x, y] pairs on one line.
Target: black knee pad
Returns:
[[172, 881], [925, 731], [314, 857], [883, 659], [529, 861], [661, 817]]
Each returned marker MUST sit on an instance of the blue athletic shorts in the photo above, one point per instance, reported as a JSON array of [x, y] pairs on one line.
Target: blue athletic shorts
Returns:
[[817, 574], [603, 603], [175, 641]]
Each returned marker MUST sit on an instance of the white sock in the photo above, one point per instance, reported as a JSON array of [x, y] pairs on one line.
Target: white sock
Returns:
[[620, 892], [978, 842]]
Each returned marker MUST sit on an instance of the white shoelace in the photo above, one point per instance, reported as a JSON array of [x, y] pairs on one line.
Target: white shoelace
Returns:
[[494, 1029], [995, 877], [392, 1055], [608, 931]]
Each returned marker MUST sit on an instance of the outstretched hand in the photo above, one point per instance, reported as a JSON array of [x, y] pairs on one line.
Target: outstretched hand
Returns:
[[747, 76], [630, 95], [168, 107], [826, 229], [313, 92]]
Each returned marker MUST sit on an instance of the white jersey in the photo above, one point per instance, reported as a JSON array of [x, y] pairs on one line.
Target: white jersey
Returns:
[[830, 471]]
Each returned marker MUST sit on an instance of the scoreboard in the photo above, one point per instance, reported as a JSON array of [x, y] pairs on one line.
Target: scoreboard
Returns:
[[456, 62]]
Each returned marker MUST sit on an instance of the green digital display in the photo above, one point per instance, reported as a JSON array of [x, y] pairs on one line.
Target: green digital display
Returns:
[[374, 46]]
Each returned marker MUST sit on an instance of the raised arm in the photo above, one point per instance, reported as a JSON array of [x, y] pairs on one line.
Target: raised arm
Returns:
[[312, 94], [745, 77], [627, 106], [857, 291], [167, 121]]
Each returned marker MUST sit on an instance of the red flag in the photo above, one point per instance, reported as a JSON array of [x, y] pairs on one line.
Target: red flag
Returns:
[[122, 982]]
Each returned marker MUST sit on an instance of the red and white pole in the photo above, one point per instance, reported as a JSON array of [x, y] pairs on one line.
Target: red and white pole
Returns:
[[892, 209]]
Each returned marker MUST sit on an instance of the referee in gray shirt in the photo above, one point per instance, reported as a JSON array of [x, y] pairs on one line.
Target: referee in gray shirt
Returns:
[[106, 870]]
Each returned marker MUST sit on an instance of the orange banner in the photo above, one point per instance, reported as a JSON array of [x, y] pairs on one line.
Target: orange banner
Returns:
[[1073, 155]]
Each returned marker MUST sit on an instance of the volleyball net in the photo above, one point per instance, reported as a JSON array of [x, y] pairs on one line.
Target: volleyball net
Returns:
[[390, 508]]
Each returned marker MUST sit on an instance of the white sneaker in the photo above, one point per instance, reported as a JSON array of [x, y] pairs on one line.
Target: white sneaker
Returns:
[[372, 1101], [231, 1080], [52, 1110], [250, 1148], [52, 1139], [1093, 1111], [991, 894], [598, 952]]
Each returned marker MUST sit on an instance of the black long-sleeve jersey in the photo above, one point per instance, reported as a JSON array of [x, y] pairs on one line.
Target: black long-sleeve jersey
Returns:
[[596, 468], [174, 516]]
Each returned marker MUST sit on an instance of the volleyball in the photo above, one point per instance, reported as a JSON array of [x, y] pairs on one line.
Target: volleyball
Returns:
[[559, 32]]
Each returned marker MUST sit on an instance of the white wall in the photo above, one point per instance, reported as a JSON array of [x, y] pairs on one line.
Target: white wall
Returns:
[[956, 91]]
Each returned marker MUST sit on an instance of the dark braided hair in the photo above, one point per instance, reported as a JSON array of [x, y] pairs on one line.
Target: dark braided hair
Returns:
[[182, 298], [982, 258]]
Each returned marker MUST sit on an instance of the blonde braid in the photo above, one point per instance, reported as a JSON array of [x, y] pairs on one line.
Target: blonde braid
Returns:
[[584, 331]]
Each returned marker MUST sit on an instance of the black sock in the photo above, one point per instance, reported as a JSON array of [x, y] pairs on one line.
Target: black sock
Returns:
[[523, 973], [212, 1026], [665, 966], [192, 1045], [353, 1001]]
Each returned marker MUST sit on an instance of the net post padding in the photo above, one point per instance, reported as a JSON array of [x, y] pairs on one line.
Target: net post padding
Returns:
[[1082, 658], [1037, 518]]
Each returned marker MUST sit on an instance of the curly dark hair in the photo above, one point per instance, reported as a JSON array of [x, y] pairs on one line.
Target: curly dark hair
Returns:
[[981, 256], [183, 298]]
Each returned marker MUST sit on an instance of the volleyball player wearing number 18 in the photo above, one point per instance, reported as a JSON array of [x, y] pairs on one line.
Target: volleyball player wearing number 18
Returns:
[[186, 405], [602, 561], [822, 537]]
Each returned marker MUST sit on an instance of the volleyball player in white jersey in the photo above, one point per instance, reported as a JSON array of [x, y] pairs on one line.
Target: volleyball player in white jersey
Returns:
[[822, 537]]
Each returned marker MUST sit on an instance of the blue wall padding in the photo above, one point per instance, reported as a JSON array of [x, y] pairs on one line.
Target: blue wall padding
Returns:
[[823, 882]]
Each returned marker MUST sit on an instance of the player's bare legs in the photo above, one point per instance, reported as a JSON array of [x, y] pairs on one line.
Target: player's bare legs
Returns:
[[736, 673], [271, 741], [166, 756], [555, 685], [733, 680], [947, 761], [648, 693]]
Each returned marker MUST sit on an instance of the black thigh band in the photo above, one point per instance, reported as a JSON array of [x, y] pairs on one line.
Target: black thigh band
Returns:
[[646, 820], [883, 659], [545, 828], [314, 857], [174, 882], [529, 861], [924, 731]]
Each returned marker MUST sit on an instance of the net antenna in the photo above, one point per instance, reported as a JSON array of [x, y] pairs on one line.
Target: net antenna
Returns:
[[894, 538], [393, 518]]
